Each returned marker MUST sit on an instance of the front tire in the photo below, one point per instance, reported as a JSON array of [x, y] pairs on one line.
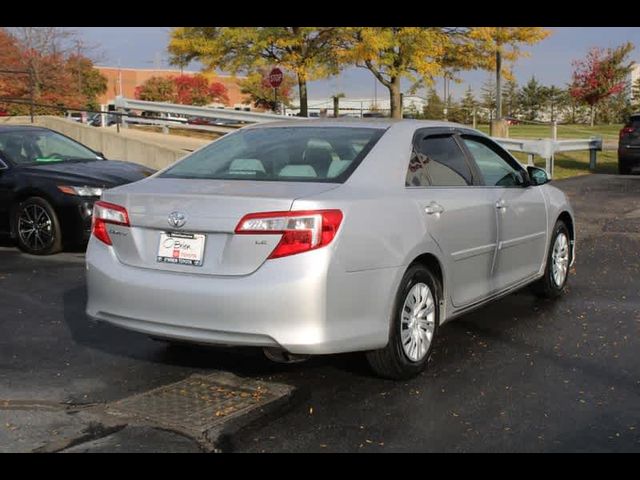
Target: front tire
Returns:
[[556, 272], [414, 325], [37, 228]]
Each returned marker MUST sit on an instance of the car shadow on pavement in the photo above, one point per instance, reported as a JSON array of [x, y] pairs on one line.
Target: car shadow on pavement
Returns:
[[520, 312]]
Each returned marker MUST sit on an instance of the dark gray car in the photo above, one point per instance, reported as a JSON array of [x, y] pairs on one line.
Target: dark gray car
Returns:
[[629, 146]]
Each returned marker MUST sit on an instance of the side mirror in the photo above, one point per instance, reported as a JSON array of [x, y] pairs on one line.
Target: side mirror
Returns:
[[538, 175], [100, 154]]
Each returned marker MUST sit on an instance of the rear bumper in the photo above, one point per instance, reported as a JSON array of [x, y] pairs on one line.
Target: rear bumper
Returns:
[[629, 158], [287, 303]]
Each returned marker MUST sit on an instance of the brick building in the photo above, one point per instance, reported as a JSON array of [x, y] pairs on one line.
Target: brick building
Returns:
[[123, 81]]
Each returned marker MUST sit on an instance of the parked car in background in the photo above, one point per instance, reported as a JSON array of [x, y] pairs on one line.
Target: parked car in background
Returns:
[[95, 120], [327, 236], [48, 185], [629, 146], [80, 117], [3, 113], [210, 121]]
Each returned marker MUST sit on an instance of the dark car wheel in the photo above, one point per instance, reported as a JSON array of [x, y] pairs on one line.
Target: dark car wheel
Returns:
[[413, 327], [556, 271], [36, 227], [623, 169]]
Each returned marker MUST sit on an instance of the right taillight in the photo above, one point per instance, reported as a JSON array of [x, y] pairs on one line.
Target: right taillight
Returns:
[[626, 130], [105, 213], [301, 230]]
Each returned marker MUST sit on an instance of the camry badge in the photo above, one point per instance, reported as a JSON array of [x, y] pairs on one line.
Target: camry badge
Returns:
[[177, 219]]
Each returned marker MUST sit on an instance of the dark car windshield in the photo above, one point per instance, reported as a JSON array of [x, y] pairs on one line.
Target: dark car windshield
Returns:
[[288, 154], [41, 146]]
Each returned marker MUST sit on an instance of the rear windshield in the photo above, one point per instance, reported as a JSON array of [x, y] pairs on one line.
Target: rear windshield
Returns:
[[286, 154], [635, 121]]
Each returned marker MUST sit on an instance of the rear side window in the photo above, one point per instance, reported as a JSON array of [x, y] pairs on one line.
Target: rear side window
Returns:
[[438, 161], [284, 154]]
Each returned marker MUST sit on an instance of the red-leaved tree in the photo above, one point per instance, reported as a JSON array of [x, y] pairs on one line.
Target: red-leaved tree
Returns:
[[601, 74], [196, 90], [157, 89], [62, 76], [183, 89]]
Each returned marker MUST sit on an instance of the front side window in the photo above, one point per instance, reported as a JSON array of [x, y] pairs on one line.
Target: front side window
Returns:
[[287, 154], [41, 146], [497, 172], [438, 161]]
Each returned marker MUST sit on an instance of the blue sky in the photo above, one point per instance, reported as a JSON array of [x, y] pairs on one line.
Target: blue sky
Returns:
[[549, 61]]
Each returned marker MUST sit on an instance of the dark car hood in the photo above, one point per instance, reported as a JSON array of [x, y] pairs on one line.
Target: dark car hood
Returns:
[[97, 173]]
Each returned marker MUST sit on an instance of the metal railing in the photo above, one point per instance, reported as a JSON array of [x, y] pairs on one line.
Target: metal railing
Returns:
[[204, 112], [547, 148], [167, 125]]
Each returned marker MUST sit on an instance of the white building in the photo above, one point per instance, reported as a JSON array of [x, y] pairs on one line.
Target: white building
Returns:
[[635, 75], [356, 107]]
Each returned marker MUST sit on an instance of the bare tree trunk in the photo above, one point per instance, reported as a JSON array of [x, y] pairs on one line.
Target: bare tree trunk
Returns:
[[395, 97], [302, 89], [593, 115]]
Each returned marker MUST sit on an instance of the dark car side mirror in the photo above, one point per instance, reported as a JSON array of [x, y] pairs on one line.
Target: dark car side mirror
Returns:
[[100, 154], [538, 175]]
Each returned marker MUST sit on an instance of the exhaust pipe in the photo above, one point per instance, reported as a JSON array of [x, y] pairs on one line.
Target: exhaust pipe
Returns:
[[279, 355]]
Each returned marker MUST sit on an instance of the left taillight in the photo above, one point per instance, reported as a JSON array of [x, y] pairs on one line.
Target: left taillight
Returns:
[[105, 213], [301, 230]]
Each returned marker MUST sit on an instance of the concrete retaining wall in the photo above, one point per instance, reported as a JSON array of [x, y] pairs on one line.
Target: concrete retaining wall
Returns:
[[113, 145]]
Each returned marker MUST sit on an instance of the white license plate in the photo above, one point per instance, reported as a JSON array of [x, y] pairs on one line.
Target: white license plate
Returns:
[[181, 248]]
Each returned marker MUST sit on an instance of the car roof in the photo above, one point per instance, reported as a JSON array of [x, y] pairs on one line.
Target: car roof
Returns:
[[22, 128], [381, 123]]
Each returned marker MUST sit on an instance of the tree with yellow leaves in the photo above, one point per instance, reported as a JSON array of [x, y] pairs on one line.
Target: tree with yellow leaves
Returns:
[[307, 52], [497, 44], [415, 53]]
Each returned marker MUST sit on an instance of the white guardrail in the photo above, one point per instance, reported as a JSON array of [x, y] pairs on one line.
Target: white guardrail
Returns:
[[547, 148], [203, 112]]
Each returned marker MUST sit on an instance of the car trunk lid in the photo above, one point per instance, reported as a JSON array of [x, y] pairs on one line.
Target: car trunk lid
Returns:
[[211, 208]]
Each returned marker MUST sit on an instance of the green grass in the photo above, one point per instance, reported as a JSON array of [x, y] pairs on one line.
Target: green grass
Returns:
[[571, 164], [607, 132]]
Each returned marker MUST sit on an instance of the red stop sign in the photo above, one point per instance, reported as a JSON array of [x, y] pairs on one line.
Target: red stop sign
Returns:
[[275, 77]]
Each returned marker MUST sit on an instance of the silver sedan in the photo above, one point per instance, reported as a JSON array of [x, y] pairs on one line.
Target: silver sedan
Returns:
[[319, 237]]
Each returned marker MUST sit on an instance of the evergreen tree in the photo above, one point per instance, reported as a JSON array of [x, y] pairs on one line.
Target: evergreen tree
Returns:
[[555, 98], [488, 98], [532, 98], [434, 110], [467, 106], [511, 98]]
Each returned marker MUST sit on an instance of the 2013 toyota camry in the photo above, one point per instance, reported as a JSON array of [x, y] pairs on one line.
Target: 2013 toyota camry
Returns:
[[318, 237]]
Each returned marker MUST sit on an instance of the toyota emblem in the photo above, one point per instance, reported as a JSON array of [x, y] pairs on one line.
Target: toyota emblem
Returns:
[[177, 219]]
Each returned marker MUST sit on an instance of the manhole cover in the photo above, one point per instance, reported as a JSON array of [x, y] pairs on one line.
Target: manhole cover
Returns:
[[201, 406]]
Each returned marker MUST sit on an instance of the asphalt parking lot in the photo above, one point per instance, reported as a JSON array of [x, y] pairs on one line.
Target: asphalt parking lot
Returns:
[[520, 374]]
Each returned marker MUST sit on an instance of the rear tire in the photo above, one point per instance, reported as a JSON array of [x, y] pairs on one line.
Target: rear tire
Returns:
[[36, 227], [414, 325], [623, 169], [556, 272]]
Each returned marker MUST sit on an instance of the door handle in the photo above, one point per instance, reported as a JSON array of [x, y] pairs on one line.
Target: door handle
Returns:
[[433, 208], [501, 204]]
